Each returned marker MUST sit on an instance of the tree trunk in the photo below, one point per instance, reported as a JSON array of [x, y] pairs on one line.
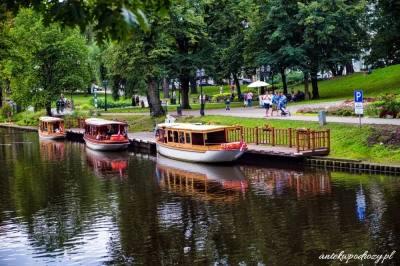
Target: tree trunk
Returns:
[[314, 83], [48, 110], [185, 93], [283, 75], [340, 71], [333, 70], [165, 88], [154, 99], [193, 85], [306, 91], [349, 68], [237, 86]]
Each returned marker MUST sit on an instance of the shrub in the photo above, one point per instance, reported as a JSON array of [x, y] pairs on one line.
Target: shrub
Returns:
[[220, 97], [387, 113], [5, 109]]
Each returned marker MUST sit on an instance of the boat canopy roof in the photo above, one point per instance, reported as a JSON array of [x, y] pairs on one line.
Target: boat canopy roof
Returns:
[[193, 127], [103, 122], [50, 119]]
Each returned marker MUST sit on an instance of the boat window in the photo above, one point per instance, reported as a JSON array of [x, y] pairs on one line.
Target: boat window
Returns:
[[188, 138], [215, 137], [170, 136], [181, 137], [175, 136], [197, 138]]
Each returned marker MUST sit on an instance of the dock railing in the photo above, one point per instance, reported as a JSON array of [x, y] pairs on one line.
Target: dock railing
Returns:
[[301, 139], [75, 122]]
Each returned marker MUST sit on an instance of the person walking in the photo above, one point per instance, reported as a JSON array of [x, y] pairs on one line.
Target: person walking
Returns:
[[228, 104], [267, 100], [282, 102], [245, 100], [249, 98], [221, 90], [137, 100], [275, 101]]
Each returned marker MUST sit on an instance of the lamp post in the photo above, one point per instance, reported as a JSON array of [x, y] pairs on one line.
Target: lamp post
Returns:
[[272, 76], [200, 74], [105, 82], [179, 91]]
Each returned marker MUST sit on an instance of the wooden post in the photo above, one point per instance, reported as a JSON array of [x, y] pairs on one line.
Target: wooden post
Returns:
[[328, 139], [273, 136], [241, 133], [256, 131], [308, 139], [290, 137], [313, 140], [297, 142]]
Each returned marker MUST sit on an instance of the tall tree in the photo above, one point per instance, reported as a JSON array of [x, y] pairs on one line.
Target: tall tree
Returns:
[[227, 24], [385, 32], [139, 63], [328, 33], [191, 47], [44, 61], [276, 38]]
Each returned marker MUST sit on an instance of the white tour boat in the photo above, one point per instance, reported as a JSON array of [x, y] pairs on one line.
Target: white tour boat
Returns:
[[198, 143], [51, 128], [106, 135]]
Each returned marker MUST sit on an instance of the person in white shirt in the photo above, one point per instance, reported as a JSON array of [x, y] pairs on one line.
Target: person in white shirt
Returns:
[[267, 100]]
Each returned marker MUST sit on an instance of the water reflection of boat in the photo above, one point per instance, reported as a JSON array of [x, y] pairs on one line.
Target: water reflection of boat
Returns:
[[206, 181], [108, 164], [52, 149]]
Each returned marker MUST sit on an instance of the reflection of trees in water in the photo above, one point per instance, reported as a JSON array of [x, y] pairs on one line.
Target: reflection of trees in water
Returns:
[[275, 181]]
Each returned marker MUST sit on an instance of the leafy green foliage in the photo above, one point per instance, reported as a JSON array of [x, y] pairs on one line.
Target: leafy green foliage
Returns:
[[45, 61], [5, 109], [111, 19]]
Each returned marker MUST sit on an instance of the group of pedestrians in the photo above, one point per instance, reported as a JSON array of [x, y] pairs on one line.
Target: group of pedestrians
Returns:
[[62, 103], [276, 102]]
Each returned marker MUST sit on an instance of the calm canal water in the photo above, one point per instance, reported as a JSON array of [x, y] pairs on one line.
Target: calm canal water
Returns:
[[61, 204]]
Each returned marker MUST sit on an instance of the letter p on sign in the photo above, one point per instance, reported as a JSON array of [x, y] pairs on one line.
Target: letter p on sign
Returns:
[[358, 96]]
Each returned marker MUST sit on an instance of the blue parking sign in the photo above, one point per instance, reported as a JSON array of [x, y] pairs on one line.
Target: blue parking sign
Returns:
[[358, 96]]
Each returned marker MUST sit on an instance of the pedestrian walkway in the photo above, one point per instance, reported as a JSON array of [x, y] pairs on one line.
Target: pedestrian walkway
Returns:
[[256, 112]]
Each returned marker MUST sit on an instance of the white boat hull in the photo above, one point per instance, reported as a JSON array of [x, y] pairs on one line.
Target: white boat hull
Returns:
[[106, 146], [51, 136], [208, 156]]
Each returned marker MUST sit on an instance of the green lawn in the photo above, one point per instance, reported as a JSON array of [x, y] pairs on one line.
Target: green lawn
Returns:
[[381, 81]]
